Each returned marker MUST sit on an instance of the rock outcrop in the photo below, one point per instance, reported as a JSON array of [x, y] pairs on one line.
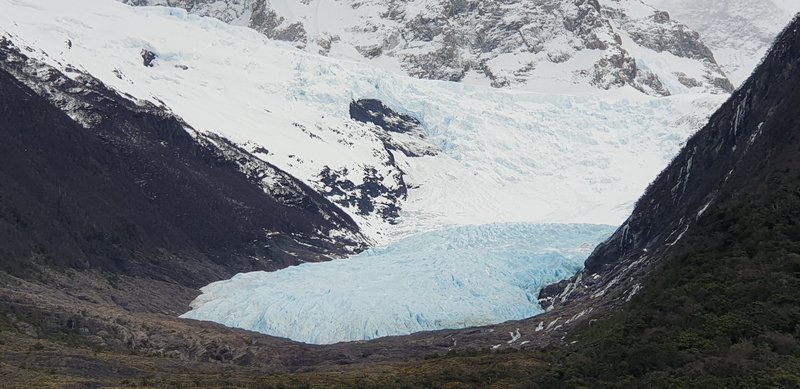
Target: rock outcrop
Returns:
[[541, 44]]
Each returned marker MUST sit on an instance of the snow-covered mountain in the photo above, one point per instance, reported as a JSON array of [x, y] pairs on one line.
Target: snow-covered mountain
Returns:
[[739, 32], [540, 45], [607, 96], [472, 154]]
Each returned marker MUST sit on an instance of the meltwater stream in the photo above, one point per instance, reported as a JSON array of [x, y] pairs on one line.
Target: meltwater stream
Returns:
[[452, 278]]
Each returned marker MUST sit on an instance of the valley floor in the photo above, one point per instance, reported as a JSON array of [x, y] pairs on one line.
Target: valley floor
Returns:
[[724, 314]]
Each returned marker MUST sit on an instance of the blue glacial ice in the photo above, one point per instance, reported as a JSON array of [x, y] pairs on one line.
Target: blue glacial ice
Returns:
[[452, 278]]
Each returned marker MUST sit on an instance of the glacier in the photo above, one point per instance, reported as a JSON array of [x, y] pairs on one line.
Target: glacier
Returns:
[[450, 278]]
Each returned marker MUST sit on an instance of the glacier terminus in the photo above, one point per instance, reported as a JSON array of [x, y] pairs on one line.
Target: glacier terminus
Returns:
[[451, 278]]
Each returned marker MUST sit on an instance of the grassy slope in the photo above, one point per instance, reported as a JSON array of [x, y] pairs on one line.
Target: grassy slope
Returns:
[[723, 313]]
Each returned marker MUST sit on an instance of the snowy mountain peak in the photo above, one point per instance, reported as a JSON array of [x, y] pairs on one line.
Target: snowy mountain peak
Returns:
[[738, 31], [542, 45]]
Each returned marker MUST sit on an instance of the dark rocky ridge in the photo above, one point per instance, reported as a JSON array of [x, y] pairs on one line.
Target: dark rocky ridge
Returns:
[[736, 151], [397, 131], [128, 189], [375, 112], [377, 195]]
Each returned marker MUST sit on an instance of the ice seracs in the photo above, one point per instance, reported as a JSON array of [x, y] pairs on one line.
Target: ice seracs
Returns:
[[452, 278]]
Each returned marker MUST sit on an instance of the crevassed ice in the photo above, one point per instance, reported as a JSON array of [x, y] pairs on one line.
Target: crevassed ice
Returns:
[[451, 278]]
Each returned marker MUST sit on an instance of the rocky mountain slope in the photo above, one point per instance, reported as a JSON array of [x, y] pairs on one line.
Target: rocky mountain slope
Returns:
[[542, 45], [747, 142], [99, 182], [739, 32]]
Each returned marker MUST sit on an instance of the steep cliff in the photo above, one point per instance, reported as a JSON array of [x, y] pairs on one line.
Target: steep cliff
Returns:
[[749, 140]]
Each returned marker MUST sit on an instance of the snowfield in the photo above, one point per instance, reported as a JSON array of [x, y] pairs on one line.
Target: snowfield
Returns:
[[453, 278], [504, 155]]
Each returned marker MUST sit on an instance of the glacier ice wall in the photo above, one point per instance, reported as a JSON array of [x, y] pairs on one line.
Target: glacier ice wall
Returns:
[[451, 278]]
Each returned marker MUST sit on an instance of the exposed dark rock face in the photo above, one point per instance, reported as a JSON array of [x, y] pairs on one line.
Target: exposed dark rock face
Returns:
[[383, 187], [148, 57], [753, 135], [371, 196], [390, 124], [264, 20], [373, 111], [91, 181]]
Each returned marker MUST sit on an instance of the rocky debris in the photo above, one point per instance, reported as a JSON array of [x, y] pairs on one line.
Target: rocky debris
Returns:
[[107, 328], [688, 81]]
